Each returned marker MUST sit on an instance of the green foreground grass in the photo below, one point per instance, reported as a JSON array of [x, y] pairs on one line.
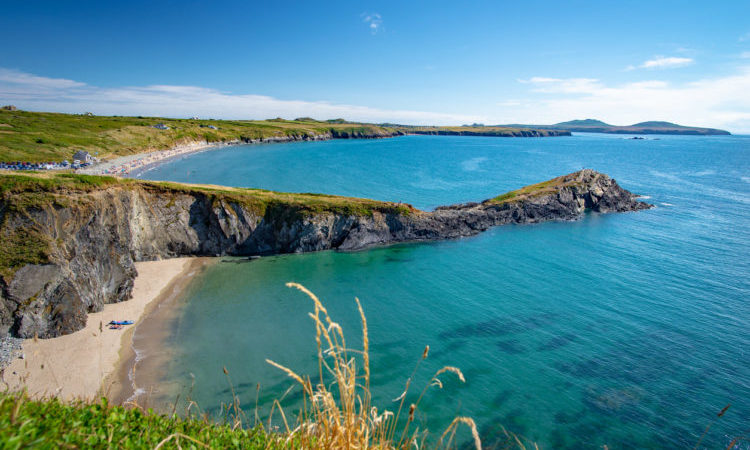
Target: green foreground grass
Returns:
[[51, 423]]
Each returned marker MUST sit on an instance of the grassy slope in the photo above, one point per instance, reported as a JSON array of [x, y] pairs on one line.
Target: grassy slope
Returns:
[[21, 192], [534, 190], [38, 137], [52, 424]]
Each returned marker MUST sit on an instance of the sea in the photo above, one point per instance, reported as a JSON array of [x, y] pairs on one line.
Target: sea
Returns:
[[630, 330]]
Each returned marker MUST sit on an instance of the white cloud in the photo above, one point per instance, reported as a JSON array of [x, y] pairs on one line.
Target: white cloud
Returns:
[[38, 93], [722, 102], [23, 80], [744, 37], [662, 62], [373, 21], [745, 55], [563, 86]]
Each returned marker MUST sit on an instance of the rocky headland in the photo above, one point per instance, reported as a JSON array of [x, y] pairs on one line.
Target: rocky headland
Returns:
[[70, 241]]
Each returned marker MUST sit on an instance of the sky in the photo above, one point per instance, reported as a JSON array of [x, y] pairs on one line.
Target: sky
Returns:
[[419, 62]]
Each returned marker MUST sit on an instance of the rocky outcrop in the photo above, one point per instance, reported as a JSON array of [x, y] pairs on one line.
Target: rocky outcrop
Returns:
[[333, 133], [95, 235], [509, 132]]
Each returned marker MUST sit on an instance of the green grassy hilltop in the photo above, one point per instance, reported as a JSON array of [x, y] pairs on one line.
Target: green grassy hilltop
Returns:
[[39, 137], [45, 137]]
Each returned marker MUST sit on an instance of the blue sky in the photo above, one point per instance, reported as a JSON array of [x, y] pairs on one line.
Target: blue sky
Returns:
[[416, 62]]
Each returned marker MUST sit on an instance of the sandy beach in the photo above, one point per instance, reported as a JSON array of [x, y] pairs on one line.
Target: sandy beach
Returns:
[[80, 364], [125, 165]]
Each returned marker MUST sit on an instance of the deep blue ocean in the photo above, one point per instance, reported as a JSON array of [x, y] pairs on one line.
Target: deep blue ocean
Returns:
[[630, 330]]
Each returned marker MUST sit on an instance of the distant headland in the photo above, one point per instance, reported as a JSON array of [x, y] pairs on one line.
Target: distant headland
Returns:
[[30, 138], [650, 127]]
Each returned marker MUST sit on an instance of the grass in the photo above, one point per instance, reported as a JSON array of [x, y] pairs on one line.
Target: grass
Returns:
[[42, 137], [22, 194], [534, 190], [46, 137], [337, 411], [50, 423]]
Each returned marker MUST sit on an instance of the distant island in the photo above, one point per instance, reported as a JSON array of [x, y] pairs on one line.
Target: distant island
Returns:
[[650, 127]]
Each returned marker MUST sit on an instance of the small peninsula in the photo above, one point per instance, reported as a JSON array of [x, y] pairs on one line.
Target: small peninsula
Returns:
[[70, 241]]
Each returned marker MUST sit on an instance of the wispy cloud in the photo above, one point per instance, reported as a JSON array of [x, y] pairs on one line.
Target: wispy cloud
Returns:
[[18, 78], [28, 91], [744, 37], [664, 62], [720, 102], [559, 85], [745, 55], [373, 21]]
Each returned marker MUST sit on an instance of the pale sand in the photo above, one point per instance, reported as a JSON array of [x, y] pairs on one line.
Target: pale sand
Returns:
[[123, 165], [75, 366]]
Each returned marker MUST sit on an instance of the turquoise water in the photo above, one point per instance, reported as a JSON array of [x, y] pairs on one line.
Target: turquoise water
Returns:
[[631, 330]]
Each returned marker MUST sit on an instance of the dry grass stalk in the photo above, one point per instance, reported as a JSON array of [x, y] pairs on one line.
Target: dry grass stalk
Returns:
[[451, 432], [337, 411]]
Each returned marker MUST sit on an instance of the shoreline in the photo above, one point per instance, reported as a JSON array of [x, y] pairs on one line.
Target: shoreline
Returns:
[[132, 166], [145, 353], [79, 365], [124, 165]]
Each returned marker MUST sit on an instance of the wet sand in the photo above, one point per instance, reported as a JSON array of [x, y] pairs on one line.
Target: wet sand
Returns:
[[80, 365], [139, 376]]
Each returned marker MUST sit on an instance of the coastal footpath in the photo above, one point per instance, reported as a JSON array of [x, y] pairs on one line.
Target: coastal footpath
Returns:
[[70, 242]]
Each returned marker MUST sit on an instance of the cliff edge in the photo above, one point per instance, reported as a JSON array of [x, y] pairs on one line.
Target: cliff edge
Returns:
[[70, 241]]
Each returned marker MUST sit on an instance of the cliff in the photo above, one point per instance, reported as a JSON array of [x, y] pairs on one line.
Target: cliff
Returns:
[[484, 131], [70, 241]]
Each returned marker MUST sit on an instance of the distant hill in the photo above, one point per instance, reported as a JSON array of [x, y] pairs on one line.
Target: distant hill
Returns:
[[650, 127], [583, 123]]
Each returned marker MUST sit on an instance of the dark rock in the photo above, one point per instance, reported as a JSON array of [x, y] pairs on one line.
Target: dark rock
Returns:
[[99, 235]]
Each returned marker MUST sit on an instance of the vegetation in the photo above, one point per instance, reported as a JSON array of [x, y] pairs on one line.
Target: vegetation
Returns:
[[46, 137], [534, 190], [23, 193], [42, 137], [337, 412], [51, 423]]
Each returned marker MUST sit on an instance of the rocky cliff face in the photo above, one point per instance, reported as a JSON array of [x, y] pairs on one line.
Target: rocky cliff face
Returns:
[[94, 236], [494, 133]]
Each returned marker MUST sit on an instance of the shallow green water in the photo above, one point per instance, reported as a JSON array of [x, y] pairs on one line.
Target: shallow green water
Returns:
[[630, 330]]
